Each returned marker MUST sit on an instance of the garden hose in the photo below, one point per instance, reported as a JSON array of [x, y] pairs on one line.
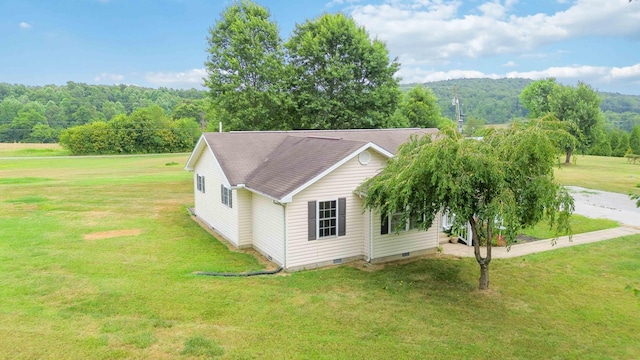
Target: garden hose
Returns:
[[253, 273]]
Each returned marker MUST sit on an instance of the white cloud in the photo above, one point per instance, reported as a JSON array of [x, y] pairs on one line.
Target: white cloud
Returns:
[[340, 2], [191, 77], [575, 72], [625, 72], [24, 25], [435, 32], [109, 77], [510, 64], [418, 75], [594, 75]]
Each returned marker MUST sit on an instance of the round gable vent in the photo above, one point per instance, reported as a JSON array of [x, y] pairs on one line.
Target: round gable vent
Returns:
[[364, 157]]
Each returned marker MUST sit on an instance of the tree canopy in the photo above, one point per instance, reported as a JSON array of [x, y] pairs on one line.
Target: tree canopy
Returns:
[[339, 77], [328, 75], [419, 108], [506, 178], [246, 68], [146, 130], [578, 106]]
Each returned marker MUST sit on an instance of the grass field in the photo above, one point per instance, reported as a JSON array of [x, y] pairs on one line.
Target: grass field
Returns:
[[97, 257], [19, 149], [601, 173]]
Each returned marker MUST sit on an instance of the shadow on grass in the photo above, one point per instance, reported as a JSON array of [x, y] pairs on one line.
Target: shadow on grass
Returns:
[[430, 275]]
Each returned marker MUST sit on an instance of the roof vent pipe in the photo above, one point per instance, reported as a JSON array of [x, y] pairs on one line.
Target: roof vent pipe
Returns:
[[220, 126]]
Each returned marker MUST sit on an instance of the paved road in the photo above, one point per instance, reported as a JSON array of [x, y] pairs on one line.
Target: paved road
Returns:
[[602, 204]]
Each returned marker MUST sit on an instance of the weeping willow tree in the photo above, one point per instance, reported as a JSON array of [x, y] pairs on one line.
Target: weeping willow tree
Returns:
[[504, 180]]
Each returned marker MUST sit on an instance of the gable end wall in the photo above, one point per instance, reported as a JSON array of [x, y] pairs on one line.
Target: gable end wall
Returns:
[[208, 205], [302, 253]]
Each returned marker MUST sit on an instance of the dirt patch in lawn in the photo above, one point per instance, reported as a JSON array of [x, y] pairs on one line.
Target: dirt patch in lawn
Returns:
[[112, 234]]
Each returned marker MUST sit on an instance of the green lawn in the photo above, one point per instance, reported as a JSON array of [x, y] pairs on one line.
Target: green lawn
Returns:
[[601, 173], [97, 257], [579, 224]]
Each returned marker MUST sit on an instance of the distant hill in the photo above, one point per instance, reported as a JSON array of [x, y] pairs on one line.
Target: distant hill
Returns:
[[496, 100]]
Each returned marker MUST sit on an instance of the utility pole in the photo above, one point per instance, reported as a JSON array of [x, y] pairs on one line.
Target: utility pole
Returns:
[[459, 115]]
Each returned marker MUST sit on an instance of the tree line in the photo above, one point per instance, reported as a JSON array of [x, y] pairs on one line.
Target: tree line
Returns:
[[497, 101], [42, 113], [145, 130]]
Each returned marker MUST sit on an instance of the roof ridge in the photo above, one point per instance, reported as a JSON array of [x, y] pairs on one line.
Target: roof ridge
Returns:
[[315, 130]]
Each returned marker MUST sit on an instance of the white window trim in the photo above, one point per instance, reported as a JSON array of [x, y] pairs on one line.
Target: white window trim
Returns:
[[318, 219], [391, 229]]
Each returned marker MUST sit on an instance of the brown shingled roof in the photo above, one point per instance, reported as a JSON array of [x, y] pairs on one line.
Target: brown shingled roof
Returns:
[[296, 161], [276, 163]]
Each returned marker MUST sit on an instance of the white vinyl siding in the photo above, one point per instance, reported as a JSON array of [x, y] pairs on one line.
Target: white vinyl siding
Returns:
[[403, 242], [340, 183], [208, 205], [268, 227], [366, 234], [243, 203]]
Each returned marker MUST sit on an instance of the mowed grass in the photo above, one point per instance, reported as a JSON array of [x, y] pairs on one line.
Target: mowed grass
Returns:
[[601, 173], [579, 224], [97, 257]]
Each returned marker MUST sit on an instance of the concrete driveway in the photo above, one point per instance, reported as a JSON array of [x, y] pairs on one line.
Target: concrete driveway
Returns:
[[608, 205]]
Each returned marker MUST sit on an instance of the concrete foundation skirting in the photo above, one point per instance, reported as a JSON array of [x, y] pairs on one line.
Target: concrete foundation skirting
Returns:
[[324, 264], [397, 257]]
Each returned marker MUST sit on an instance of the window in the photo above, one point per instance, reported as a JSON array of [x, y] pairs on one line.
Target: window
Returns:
[[200, 182], [327, 218], [388, 224], [226, 196]]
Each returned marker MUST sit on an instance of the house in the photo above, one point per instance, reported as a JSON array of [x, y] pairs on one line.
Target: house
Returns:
[[291, 195]]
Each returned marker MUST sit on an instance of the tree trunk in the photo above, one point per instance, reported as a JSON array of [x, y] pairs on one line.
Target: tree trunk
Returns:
[[568, 159], [484, 276], [483, 262]]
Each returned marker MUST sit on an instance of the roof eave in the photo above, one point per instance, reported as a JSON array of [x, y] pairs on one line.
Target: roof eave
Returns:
[[195, 154]]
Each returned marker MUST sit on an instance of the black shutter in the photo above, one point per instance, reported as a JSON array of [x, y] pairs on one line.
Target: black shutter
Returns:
[[202, 185], [384, 224], [198, 182], [230, 197], [311, 214], [342, 216], [222, 193]]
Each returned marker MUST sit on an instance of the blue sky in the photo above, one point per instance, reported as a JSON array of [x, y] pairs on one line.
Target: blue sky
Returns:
[[163, 42]]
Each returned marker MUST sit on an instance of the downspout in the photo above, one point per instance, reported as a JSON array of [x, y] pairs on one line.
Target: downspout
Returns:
[[284, 235], [370, 235]]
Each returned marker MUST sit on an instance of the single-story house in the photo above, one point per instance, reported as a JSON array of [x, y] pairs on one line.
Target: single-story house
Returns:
[[291, 195]]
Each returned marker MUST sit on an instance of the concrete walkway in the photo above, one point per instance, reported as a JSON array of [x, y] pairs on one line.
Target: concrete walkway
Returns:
[[461, 250]]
